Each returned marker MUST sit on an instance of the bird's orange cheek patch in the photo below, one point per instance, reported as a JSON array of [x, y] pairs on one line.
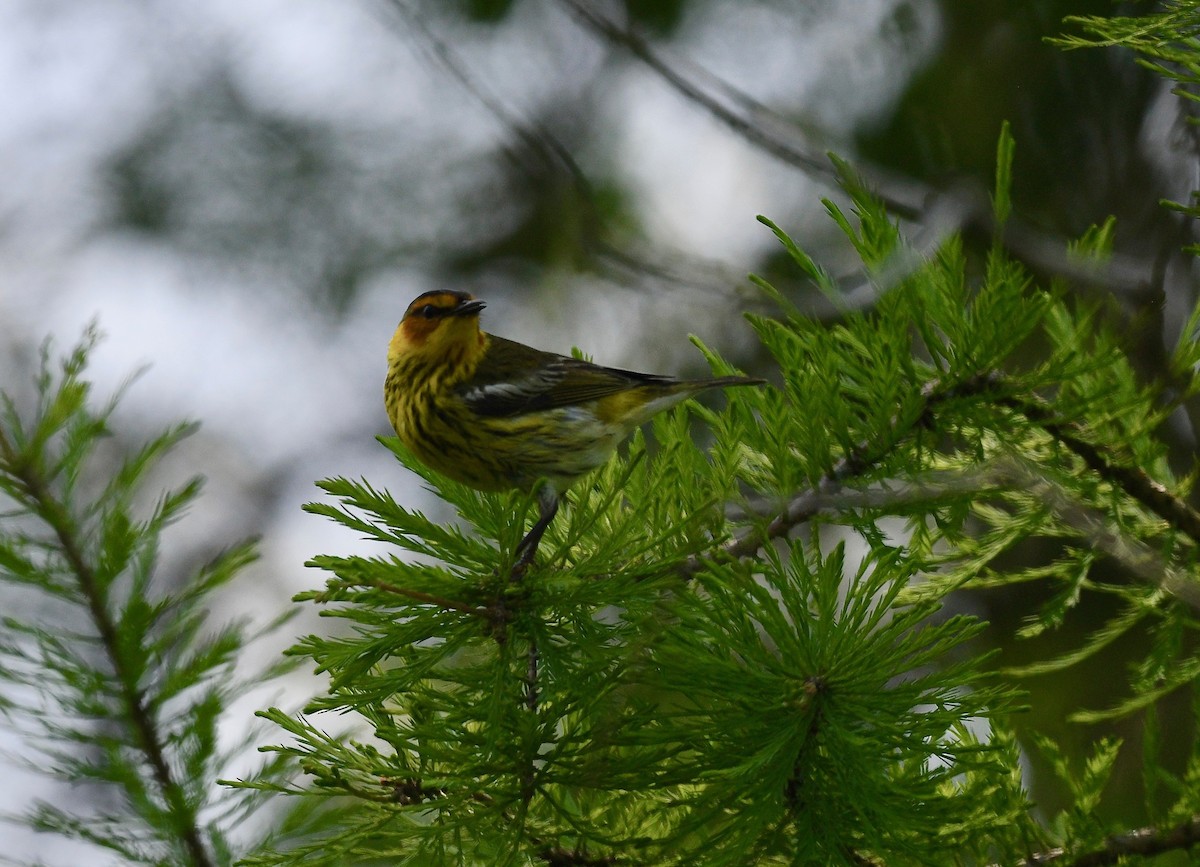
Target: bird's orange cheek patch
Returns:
[[417, 331]]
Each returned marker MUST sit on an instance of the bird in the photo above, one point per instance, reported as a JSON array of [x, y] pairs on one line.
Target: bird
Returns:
[[498, 415]]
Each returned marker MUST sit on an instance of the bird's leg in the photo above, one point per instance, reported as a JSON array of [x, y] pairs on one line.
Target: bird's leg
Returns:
[[547, 509], [526, 549]]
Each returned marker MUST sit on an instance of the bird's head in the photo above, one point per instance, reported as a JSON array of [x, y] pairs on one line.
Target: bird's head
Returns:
[[438, 324]]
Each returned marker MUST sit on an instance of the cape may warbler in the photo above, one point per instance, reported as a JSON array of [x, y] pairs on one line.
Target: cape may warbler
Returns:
[[495, 414]]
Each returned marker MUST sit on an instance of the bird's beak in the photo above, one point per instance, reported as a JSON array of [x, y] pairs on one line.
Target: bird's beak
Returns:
[[468, 308]]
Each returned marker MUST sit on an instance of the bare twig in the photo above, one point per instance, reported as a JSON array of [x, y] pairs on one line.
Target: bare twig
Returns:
[[1141, 841], [785, 146]]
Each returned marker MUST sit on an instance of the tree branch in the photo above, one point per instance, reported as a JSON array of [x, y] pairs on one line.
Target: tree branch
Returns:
[[783, 147], [830, 494], [1141, 841], [857, 460], [556, 159], [1132, 480], [411, 791], [130, 693]]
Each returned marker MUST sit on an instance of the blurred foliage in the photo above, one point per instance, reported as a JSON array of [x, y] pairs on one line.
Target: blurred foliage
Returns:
[[114, 679], [1164, 43], [221, 173], [659, 16]]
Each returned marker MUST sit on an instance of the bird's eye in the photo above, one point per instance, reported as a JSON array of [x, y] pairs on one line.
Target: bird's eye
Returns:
[[428, 311]]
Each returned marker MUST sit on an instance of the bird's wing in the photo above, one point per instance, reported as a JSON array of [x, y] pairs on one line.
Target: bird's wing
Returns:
[[513, 379]]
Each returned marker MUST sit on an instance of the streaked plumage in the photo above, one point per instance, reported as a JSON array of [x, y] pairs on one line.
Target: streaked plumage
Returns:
[[495, 414]]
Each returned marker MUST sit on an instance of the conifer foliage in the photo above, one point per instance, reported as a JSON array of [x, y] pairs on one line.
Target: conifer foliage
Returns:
[[110, 671], [746, 652]]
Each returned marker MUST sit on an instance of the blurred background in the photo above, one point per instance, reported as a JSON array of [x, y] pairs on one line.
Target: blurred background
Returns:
[[246, 195]]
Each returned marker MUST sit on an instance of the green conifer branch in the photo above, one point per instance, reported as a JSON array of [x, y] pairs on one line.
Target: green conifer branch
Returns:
[[1002, 391], [1132, 480], [34, 489], [124, 683], [857, 460]]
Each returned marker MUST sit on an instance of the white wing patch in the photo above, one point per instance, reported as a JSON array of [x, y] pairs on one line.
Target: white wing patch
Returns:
[[513, 395]]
